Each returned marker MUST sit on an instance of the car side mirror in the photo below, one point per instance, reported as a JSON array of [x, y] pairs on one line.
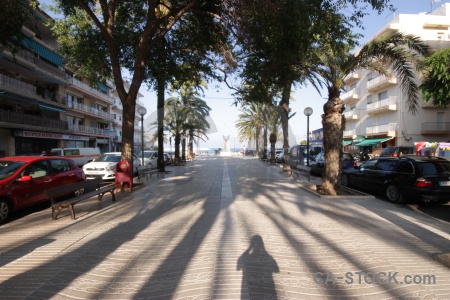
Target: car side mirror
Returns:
[[25, 178]]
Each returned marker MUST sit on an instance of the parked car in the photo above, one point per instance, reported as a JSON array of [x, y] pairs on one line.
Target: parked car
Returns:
[[24, 179], [150, 158], [396, 151], [80, 156], [104, 165], [168, 159], [298, 155], [280, 157], [347, 161], [402, 179]]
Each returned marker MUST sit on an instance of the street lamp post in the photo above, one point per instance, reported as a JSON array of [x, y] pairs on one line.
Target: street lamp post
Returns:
[[308, 111], [142, 111]]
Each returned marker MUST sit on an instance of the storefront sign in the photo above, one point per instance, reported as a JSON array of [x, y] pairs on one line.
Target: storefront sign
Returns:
[[49, 135]]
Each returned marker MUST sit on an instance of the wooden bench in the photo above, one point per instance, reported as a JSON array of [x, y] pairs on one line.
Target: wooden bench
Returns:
[[147, 171], [302, 171], [85, 190]]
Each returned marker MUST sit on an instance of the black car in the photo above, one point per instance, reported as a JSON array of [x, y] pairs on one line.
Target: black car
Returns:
[[403, 179], [347, 161]]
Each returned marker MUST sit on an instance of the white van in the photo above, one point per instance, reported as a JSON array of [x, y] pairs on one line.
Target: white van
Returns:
[[81, 156]]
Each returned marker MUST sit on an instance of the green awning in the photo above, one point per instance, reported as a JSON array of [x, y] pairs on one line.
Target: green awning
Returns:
[[372, 142], [359, 139], [103, 87], [345, 143], [43, 51]]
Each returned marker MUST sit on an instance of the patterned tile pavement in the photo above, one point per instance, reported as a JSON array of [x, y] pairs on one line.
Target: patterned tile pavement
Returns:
[[225, 228]]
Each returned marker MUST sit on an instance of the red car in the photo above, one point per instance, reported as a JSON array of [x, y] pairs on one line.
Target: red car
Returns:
[[24, 179]]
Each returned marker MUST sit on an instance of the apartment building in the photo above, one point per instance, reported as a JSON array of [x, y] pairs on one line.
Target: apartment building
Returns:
[[117, 112], [43, 105], [376, 108]]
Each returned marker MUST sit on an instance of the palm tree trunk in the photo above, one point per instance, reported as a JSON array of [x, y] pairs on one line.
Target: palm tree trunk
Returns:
[[284, 115], [264, 156], [191, 145], [273, 140], [333, 123], [183, 145], [160, 108], [177, 161]]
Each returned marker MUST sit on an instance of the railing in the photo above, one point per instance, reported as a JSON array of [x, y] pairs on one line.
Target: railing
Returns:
[[350, 132], [380, 81], [25, 89], [20, 118], [91, 90], [436, 126], [382, 103], [92, 110], [381, 128], [92, 130], [37, 63], [352, 77], [352, 94], [352, 114]]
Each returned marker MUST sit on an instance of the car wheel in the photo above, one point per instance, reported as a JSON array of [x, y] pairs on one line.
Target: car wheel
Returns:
[[393, 194], [5, 210], [344, 180]]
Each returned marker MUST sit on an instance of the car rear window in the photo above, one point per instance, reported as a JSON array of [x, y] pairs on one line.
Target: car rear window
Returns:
[[434, 168]]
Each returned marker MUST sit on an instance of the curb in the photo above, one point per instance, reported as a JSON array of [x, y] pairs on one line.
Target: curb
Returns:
[[358, 194]]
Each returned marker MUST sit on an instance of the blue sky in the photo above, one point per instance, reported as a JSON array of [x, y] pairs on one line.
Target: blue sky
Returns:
[[224, 115]]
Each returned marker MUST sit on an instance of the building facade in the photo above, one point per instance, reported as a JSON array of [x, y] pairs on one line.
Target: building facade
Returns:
[[44, 106], [376, 107]]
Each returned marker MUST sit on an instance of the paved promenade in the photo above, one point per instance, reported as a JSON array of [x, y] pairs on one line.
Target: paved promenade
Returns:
[[225, 228]]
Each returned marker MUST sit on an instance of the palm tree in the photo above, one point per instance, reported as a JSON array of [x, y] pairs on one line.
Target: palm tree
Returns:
[[174, 122], [251, 123], [196, 112], [391, 53]]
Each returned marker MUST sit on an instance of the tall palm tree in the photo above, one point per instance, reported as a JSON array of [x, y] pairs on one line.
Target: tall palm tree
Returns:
[[394, 53], [250, 124], [196, 112], [174, 121]]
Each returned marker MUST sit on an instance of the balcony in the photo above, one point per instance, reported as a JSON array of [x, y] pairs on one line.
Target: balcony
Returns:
[[351, 115], [386, 129], [352, 77], [92, 131], [29, 91], [380, 82], [20, 119], [351, 95], [435, 128], [350, 133], [90, 90], [91, 110], [388, 104]]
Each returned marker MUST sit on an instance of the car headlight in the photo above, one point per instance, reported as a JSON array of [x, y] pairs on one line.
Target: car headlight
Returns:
[[111, 167]]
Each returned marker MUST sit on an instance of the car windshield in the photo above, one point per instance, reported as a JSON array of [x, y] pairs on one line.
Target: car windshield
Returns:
[[434, 168], [108, 158], [8, 168]]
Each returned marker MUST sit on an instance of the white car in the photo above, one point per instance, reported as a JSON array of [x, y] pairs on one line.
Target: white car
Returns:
[[150, 158], [104, 166]]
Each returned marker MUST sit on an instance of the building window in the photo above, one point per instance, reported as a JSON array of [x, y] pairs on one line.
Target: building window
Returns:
[[369, 99], [382, 95], [69, 100]]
